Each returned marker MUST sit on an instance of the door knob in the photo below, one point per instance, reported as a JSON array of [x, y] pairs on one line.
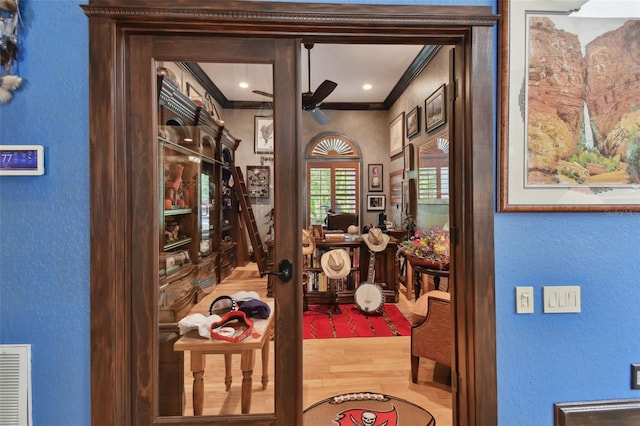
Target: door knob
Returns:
[[285, 271]]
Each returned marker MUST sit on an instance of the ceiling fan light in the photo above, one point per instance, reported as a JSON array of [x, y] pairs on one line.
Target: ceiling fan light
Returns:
[[243, 84]]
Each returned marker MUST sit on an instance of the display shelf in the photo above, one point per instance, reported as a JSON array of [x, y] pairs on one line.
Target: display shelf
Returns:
[[176, 244], [173, 212]]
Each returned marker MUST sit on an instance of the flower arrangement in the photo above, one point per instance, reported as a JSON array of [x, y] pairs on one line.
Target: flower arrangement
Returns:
[[432, 244]]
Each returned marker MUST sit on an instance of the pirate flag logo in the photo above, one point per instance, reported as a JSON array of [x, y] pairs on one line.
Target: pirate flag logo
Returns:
[[364, 417]]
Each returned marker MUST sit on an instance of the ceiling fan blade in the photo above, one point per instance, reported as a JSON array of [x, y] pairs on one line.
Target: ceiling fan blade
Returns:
[[319, 116], [324, 90], [260, 92]]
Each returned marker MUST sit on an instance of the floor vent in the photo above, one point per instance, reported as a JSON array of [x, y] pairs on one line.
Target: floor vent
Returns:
[[15, 385]]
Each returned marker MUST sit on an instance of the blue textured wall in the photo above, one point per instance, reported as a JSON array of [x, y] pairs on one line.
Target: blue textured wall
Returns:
[[44, 263], [44, 221]]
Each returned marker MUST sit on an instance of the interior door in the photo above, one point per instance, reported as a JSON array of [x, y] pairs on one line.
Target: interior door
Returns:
[[142, 53]]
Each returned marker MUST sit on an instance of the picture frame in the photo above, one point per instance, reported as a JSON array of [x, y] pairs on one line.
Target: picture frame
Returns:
[[413, 122], [409, 161], [435, 109], [263, 134], [376, 202], [396, 135], [395, 183], [317, 232], [375, 178], [531, 180], [409, 198], [258, 178]]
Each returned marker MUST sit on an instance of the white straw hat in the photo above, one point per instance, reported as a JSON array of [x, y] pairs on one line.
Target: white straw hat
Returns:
[[308, 242], [376, 240], [336, 263]]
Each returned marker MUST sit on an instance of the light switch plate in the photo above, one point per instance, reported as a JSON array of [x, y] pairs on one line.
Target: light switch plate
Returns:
[[561, 299], [524, 300]]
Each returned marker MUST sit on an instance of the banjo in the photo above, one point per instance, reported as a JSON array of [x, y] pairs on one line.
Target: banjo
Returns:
[[369, 297]]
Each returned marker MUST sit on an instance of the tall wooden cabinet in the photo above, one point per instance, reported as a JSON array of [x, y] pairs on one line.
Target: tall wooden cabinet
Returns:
[[197, 212]]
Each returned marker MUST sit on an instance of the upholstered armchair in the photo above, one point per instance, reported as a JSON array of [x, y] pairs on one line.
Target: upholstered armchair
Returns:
[[431, 330]]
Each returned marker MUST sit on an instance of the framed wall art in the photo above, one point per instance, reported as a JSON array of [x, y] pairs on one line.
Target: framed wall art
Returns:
[[413, 122], [375, 178], [376, 202], [263, 134], [563, 147], [396, 135], [408, 158], [435, 109], [258, 181], [395, 182]]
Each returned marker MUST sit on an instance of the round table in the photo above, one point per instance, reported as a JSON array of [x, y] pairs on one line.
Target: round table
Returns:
[[424, 266]]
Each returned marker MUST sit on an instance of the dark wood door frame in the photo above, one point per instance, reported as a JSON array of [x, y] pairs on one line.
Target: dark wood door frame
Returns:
[[114, 220]]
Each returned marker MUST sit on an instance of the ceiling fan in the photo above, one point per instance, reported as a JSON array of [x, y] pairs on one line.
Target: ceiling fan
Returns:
[[311, 100]]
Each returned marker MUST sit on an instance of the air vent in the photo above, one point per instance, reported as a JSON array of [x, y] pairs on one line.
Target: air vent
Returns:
[[15, 385]]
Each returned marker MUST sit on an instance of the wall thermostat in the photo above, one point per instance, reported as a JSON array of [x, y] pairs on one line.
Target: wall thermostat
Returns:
[[21, 160]]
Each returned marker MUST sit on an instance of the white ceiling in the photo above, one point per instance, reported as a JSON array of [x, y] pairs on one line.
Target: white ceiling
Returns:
[[349, 65]]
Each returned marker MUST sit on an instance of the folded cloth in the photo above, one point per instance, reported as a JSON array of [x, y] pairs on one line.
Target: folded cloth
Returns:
[[255, 308], [197, 321], [243, 296]]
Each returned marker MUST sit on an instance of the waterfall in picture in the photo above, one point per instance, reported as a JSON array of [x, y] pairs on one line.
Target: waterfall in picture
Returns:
[[588, 132]]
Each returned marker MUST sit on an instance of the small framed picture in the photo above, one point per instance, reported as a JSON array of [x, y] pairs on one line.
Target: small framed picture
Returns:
[[408, 158], [435, 109], [263, 137], [396, 135], [375, 177], [317, 232], [413, 122], [376, 202]]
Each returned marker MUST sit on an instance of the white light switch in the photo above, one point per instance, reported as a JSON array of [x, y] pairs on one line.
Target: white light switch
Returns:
[[524, 300], [561, 299]]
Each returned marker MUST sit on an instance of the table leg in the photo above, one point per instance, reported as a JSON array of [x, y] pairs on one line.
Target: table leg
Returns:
[[265, 364], [417, 282], [197, 368], [247, 360], [409, 280], [227, 372]]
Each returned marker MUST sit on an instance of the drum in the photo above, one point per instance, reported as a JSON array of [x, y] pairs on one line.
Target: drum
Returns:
[[369, 298]]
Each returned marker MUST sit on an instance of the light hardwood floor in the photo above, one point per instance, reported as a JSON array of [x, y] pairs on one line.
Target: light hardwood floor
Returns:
[[331, 367]]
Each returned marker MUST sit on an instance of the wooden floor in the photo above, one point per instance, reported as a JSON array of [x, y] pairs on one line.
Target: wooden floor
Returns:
[[331, 367]]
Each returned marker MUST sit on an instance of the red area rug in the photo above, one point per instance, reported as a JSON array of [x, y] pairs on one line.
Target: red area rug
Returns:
[[353, 323]]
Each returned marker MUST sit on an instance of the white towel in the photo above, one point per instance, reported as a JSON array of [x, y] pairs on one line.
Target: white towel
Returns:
[[198, 321]]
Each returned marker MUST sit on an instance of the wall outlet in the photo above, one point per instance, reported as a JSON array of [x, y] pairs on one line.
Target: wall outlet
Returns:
[[635, 376]]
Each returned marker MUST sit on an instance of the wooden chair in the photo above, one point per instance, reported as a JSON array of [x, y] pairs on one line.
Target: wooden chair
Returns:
[[431, 332]]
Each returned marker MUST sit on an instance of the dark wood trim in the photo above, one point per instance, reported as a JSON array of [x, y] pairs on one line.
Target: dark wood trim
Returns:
[[116, 361], [615, 412]]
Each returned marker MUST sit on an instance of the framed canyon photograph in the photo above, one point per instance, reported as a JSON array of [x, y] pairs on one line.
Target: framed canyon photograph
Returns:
[[569, 110]]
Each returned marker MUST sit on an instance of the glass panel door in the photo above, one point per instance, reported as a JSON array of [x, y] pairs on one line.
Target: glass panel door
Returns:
[[216, 328]]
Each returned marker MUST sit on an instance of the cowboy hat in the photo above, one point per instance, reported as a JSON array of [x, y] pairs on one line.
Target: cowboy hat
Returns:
[[376, 240], [308, 242], [336, 263]]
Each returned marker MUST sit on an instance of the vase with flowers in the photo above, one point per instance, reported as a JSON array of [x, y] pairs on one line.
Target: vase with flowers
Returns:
[[430, 248]]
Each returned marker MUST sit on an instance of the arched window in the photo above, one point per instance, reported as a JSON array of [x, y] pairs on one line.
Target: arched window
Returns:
[[333, 176]]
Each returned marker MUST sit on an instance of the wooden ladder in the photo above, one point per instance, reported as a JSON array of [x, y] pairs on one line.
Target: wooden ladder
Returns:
[[250, 221]]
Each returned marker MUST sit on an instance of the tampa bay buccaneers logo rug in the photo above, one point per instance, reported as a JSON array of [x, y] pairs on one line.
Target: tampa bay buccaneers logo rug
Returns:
[[362, 417], [367, 409]]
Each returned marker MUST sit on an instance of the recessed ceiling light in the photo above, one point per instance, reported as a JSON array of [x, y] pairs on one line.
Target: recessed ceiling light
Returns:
[[367, 86], [243, 84]]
